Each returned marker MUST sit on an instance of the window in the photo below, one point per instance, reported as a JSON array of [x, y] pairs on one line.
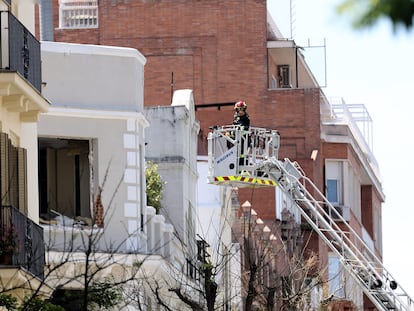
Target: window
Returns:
[[78, 13], [285, 205], [64, 177], [334, 182], [336, 279], [284, 76], [332, 190], [202, 253]]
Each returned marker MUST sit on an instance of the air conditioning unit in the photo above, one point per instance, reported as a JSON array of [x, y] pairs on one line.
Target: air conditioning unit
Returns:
[[340, 212]]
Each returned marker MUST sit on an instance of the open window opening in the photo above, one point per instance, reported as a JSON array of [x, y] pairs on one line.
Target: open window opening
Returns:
[[65, 181], [284, 76]]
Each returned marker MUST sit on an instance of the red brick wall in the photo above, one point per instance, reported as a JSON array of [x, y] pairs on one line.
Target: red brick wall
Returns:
[[366, 208], [340, 305], [37, 26], [218, 49], [263, 200], [335, 151], [223, 43], [370, 202]]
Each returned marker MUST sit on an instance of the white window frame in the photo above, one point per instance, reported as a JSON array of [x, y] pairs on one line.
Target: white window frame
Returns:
[[273, 83], [334, 172], [78, 14], [283, 202], [336, 276]]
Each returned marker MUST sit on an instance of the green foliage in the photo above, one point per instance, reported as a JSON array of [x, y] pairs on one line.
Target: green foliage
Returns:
[[8, 301], [70, 300], [155, 186], [138, 263], [37, 304], [8, 240], [100, 296], [207, 266], [368, 12], [29, 304], [103, 295]]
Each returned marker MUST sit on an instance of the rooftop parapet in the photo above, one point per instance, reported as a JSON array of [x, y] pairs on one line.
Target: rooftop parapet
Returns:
[[357, 121]]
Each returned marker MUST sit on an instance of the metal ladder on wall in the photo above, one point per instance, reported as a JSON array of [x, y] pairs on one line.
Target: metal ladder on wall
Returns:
[[262, 168]]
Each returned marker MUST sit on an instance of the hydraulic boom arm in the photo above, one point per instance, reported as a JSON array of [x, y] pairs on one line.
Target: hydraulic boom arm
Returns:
[[250, 159]]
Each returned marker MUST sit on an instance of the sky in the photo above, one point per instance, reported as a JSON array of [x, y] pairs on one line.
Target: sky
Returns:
[[373, 67]]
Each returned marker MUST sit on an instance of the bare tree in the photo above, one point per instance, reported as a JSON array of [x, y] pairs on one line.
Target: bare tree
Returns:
[[277, 274], [274, 271], [77, 260], [189, 286]]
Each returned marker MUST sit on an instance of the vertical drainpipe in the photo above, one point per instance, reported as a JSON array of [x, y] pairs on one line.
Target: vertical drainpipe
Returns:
[[267, 67], [46, 20], [296, 66]]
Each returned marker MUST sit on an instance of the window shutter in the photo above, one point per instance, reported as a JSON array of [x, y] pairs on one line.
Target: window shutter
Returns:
[[4, 168], [22, 179], [13, 174], [13, 193]]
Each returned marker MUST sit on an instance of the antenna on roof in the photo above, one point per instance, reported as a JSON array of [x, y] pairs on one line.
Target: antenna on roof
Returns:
[[292, 18]]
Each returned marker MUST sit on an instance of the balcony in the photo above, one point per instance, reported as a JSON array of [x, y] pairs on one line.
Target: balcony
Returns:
[[20, 50], [352, 124], [20, 69], [21, 240]]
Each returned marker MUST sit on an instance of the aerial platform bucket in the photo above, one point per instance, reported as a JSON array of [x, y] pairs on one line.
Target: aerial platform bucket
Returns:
[[235, 155]]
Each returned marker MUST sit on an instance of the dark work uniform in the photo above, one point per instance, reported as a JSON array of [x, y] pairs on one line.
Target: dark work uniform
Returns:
[[244, 122]]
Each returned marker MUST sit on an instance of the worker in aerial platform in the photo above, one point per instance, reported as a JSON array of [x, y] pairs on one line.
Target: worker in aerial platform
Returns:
[[241, 116], [241, 119]]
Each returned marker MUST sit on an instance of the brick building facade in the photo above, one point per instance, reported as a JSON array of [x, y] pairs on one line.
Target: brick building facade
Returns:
[[227, 51], [218, 49]]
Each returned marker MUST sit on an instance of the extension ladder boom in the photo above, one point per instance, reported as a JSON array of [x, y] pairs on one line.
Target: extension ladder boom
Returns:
[[250, 159]]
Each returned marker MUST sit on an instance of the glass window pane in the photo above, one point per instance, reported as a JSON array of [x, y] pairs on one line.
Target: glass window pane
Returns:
[[332, 190], [335, 277]]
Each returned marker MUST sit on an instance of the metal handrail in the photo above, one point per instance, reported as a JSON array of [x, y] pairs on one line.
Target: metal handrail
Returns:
[[19, 50], [28, 247]]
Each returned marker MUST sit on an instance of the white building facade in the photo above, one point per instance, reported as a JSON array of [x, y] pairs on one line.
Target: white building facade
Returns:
[[92, 176], [91, 141]]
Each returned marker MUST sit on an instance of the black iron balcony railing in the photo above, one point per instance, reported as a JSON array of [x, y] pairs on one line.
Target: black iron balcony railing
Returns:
[[20, 50], [21, 242]]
